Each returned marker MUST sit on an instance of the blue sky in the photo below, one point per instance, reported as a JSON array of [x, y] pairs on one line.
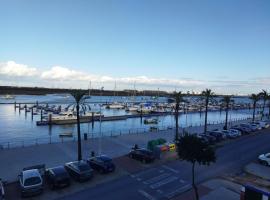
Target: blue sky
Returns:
[[166, 44]]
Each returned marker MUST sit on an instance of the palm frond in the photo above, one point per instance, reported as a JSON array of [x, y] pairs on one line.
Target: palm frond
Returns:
[[78, 95]]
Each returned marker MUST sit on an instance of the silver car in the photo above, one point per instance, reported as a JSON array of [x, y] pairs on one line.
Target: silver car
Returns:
[[31, 182]]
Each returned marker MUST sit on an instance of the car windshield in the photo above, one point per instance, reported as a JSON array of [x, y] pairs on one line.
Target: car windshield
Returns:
[[83, 167], [32, 181]]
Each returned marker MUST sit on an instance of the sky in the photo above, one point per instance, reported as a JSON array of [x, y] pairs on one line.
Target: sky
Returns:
[[184, 45]]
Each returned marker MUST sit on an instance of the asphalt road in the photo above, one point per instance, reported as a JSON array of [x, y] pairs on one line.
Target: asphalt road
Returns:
[[166, 181]]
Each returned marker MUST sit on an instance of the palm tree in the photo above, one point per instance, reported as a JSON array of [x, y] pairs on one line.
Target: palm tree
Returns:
[[178, 99], [227, 100], [193, 150], [207, 95], [255, 98], [78, 96], [264, 95]]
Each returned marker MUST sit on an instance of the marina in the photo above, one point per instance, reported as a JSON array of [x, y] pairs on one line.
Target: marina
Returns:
[[20, 120]]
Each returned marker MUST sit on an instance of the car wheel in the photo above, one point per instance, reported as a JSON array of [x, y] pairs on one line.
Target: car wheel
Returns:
[[265, 163], [143, 160]]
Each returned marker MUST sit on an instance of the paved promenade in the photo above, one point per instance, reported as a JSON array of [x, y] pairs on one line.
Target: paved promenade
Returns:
[[15, 159]]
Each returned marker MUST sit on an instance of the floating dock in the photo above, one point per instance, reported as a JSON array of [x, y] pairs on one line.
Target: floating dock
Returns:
[[88, 119]]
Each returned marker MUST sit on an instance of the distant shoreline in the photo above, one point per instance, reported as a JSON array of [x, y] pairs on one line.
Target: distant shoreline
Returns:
[[11, 90]]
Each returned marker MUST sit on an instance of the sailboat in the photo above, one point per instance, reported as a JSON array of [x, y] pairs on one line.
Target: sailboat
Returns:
[[89, 92], [115, 105]]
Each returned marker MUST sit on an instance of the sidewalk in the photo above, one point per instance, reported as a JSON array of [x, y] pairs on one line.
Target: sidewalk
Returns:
[[14, 160]]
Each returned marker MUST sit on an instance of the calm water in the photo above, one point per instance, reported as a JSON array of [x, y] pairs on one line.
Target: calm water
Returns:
[[15, 127]]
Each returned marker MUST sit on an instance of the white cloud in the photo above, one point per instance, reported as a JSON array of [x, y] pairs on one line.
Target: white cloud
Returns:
[[64, 77], [11, 68], [58, 73]]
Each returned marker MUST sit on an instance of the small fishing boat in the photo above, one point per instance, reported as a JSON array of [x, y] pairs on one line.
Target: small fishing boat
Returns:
[[67, 134], [151, 121]]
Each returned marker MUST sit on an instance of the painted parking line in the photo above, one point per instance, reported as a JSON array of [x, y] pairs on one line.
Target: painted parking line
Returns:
[[146, 195], [178, 191], [163, 182], [143, 172], [170, 169], [157, 178]]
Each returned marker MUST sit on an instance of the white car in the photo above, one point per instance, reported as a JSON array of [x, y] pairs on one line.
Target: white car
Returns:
[[256, 126], [31, 182], [263, 124], [229, 134], [236, 132], [264, 159]]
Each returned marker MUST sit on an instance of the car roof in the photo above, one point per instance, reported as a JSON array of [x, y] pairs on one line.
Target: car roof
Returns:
[[58, 170], [30, 173], [104, 158], [77, 163]]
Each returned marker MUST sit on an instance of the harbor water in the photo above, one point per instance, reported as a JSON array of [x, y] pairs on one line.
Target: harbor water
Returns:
[[19, 127]]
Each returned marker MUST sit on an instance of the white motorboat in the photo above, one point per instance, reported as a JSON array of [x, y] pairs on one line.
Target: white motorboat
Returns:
[[116, 106], [8, 97]]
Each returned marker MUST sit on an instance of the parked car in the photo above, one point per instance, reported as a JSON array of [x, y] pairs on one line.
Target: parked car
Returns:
[[229, 134], [243, 130], [79, 170], [262, 124], [203, 139], [235, 131], [217, 134], [264, 159], [102, 164], [31, 182], [256, 126], [57, 177], [143, 155], [2, 191], [252, 128], [211, 139]]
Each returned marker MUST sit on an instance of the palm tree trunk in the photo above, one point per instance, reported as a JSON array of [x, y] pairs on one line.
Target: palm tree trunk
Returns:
[[254, 108], [226, 120], [193, 182], [79, 133], [206, 113], [176, 124]]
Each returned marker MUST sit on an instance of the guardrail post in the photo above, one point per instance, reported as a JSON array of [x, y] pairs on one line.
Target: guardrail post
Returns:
[[36, 142], [8, 144], [50, 139]]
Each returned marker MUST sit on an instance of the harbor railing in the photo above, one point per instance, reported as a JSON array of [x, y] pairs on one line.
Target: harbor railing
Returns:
[[17, 143]]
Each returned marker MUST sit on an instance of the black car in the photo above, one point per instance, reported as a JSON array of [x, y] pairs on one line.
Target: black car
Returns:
[[211, 139], [102, 163], [57, 177], [79, 170], [216, 134], [143, 155]]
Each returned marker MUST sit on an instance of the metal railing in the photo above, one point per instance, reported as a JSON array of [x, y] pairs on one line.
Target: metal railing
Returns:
[[16, 143]]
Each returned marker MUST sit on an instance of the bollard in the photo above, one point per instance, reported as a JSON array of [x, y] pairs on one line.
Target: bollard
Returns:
[[85, 136]]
